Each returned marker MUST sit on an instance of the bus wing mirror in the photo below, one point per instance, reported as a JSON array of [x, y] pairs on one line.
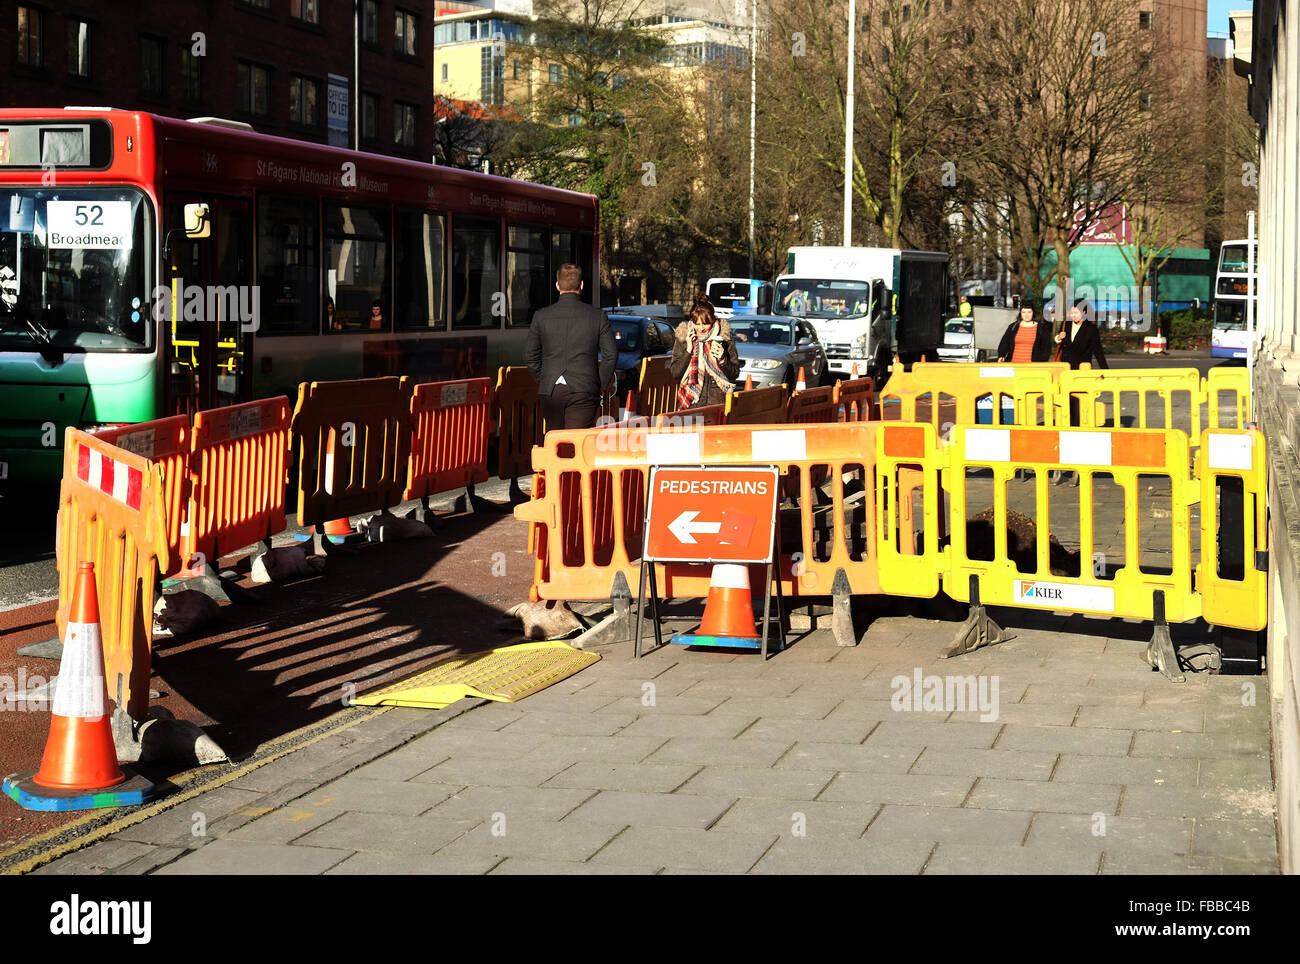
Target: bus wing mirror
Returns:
[[198, 221]]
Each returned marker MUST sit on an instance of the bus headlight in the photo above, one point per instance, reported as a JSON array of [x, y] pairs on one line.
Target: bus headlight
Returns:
[[860, 345]]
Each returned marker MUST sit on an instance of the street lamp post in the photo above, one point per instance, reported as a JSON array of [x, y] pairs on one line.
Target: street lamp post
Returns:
[[848, 131], [753, 107]]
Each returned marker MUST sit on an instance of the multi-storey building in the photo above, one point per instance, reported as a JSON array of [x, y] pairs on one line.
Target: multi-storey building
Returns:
[[283, 66]]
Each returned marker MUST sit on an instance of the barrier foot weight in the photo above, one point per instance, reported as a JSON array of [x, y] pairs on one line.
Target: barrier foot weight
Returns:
[[427, 515], [45, 649], [978, 630], [1160, 651], [620, 595], [323, 545], [841, 611], [214, 587], [518, 495]]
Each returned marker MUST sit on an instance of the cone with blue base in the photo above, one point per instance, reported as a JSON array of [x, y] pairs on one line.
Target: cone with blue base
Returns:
[[728, 612], [79, 770]]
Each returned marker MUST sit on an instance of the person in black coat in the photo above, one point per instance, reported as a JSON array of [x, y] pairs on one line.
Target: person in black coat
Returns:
[[570, 351], [1080, 341], [1042, 350]]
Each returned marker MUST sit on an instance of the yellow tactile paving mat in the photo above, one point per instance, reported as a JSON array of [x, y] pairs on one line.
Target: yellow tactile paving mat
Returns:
[[505, 675]]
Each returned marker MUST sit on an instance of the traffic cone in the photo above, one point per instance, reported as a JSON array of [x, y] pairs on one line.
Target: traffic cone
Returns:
[[631, 406], [79, 770], [855, 369], [728, 612], [749, 382], [801, 385]]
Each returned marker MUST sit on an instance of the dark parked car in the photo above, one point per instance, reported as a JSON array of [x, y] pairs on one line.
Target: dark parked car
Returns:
[[636, 337]]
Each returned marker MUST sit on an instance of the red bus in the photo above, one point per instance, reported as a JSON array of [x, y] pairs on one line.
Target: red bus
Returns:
[[301, 262]]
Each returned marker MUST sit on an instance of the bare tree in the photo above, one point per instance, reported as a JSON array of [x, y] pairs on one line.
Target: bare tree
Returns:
[[1062, 87], [908, 77]]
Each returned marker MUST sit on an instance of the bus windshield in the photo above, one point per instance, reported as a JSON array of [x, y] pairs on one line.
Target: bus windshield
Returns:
[[74, 270], [1229, 315], [721, 292], [1232, 257], [807, 298]]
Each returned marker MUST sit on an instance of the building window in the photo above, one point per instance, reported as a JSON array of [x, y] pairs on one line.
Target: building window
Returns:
[[79, 48], [515, 71], [258, 4], [370, 22], [29, 37], [404, 33], [444, 73], [253, 89], [555, 73], [304, 95], [357, 267], [492, 77], [151, 61], [304, 10], [369, 117], [1144, 19], [191, 76], [1144, 101], [404, 125]]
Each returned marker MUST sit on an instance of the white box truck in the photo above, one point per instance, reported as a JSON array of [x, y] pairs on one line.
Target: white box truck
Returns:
[[867, 304]]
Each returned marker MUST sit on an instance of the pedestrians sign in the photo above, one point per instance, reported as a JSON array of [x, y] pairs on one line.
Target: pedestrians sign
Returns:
[[711, 514]]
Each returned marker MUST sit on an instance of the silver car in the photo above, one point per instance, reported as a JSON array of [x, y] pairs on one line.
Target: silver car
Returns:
[[773, 348]]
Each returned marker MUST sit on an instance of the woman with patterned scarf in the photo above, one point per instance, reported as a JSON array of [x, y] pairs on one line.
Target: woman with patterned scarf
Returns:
[[705, 364]]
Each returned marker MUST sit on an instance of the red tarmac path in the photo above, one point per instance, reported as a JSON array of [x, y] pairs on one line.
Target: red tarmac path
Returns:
[[269, 669]]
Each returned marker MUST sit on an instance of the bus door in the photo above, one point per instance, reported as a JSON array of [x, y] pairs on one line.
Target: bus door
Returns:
[[214, 308]]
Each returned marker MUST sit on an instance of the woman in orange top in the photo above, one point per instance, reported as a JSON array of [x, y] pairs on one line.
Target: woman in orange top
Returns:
[[1026, 340]]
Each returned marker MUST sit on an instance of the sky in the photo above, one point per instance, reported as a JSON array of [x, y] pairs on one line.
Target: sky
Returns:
[[1216, 21]]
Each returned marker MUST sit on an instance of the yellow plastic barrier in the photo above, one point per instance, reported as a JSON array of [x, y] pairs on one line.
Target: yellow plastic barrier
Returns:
[[1139, 461], [1227, 390], [1136, 398], [1232, 577], [944, 393], [353, 440], [112, 513]]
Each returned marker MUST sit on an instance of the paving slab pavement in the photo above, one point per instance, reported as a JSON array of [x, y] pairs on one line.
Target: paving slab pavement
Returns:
[[697, 761]]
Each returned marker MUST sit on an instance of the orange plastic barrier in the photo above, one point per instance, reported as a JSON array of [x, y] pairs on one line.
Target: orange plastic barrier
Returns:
[[112, 513], [353, 442], [756, 406], [449, 449], [166, 443], [656, 392], [695, 417], [237, 469], [812, 405], [518, 416], [855, 400], [589, 521]]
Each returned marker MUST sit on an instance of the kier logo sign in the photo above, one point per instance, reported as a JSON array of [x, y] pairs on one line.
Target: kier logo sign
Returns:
[[711, 514]]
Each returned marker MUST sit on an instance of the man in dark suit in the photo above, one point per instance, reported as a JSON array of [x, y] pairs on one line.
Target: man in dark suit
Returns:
[[561, 352]]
